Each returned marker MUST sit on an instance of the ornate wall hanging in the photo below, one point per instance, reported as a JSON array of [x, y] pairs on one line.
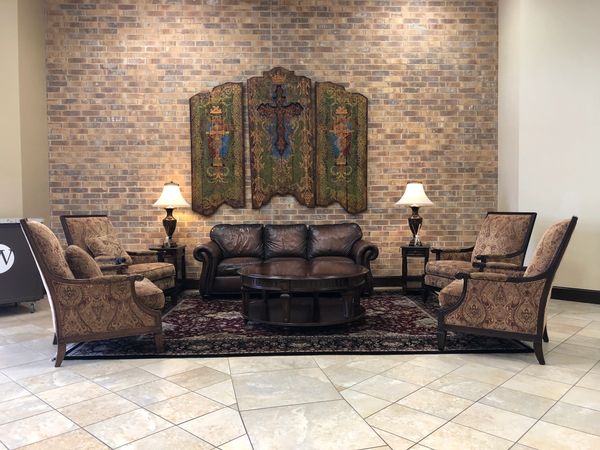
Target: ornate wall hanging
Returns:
[[217, 133], [280, 118], [341, 161]]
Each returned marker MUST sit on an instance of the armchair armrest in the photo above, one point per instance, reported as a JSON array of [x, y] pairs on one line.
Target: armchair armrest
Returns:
[[458, 253], [363, 252], [509, 269], [109, 266], [143, 256]]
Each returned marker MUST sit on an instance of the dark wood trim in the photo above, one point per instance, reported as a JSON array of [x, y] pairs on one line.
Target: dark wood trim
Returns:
[[576, 295]]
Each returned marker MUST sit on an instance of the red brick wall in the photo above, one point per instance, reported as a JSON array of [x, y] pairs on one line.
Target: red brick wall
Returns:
[[120, 74]]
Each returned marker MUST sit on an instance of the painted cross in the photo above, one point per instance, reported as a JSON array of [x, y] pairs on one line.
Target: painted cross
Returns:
[[281, 111]]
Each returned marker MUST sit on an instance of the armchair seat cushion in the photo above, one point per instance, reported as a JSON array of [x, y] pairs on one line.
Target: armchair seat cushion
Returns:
[[230, 266], [450, 295], [153, 271], [150, 295]]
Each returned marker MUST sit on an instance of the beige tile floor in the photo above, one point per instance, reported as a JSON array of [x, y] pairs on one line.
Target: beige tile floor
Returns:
[[305, 402]]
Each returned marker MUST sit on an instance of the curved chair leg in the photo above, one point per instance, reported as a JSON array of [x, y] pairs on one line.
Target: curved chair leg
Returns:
[[539, 351], [54, 341], [159, 342], [545, 337], [60, 354], [426, 292], [441, 337]]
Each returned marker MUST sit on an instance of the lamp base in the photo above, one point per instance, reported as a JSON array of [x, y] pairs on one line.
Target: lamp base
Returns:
[[414, 223], [169, 223]]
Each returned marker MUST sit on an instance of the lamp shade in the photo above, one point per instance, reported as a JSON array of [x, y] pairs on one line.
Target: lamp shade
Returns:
[[414, 195], [171, 197]]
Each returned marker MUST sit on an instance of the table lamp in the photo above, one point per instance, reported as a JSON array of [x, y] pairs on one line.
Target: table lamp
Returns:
[[415, 197], [170, 199]]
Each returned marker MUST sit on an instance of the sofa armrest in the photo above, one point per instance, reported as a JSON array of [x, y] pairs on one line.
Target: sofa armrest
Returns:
[[110, 266], [453, 253], [143, 256], [363, 252], [209, 254]]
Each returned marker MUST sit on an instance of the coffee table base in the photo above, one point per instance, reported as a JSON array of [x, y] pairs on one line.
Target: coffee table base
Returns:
[[301, 310]]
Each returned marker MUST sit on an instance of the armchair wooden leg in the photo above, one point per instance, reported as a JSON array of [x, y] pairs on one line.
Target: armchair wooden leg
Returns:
[[60, 354], [425, 293], [54, 341], [441, 337], [545, 337], [159, 342], [539, 351]]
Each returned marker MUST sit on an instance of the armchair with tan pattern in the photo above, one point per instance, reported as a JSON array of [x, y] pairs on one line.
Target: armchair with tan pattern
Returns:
[[507, 305], [503, 237], [94, 308], [96, 235]]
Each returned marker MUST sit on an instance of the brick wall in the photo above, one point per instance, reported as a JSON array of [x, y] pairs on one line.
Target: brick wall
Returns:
[[120, 74]]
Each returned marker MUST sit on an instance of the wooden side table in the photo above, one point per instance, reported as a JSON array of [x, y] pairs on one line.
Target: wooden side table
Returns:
[[176, 256], [413, 251]]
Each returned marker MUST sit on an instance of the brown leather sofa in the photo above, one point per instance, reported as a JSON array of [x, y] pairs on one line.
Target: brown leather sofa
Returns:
[[233, 246]]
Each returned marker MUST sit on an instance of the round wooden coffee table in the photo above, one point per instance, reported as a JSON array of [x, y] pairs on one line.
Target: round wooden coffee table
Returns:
[[310, 293]]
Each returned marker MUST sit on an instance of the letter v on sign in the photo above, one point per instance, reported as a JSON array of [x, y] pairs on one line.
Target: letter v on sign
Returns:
[[7, 258]]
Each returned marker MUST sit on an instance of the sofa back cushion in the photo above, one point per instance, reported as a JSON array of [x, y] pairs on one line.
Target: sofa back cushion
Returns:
[[285, 240], [332, 240], [238, 240]]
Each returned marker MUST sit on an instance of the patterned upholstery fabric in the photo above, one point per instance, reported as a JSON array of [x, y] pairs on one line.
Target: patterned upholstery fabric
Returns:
[[502, 234], [143, 258], [149, 294], [153, 271], [449, 269], [100, 305], [81, 263], [511, 270], [500, 306], [164, 283], [452, 253], [50, 250], [82, 228], [451, 293], [107, 246], [547, 248], [437, 282]]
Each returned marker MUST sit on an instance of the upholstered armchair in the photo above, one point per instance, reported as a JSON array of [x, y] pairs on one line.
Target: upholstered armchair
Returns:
[[102, 307], [503, 238], [507, 305], [95, 234]]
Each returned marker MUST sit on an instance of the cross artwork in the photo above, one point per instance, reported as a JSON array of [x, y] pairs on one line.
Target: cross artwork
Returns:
[[281, 111]]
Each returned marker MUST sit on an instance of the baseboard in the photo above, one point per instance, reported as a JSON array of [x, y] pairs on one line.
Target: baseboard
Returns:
[[576, 295], [387, 281]]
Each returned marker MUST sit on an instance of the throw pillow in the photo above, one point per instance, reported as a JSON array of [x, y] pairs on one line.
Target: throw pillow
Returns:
[[81, 263], [108, 246]]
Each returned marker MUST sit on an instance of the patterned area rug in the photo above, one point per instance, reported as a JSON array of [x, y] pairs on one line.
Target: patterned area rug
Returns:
[[393, 323]]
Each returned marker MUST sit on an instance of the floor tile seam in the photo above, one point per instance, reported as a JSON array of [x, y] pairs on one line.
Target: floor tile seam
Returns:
[[164, 377], [46, 390], [287, 406], [157, 432], [187, 420], [376, 429], [570, 427], [191, 390], [434, 415], [373, 413], [494, 435], [245, 429], [61, 434], [287, 369]]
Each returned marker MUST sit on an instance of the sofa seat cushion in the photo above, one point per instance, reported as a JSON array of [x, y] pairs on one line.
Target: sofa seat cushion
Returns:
[[150, 295], [450, 295], [153, 271], [284, 259], [285, 240], [332, 240], [333, 259], [238, 240], [230, 266]]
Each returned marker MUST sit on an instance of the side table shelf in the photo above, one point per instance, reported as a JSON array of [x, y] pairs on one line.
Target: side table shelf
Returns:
[[413, 251]]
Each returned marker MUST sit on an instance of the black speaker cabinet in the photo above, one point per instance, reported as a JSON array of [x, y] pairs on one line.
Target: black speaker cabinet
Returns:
[[19, 277]]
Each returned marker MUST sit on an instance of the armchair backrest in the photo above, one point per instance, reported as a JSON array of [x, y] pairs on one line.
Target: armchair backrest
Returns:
[[47, 251], [505, 233], [80, 228], [551, 248]]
